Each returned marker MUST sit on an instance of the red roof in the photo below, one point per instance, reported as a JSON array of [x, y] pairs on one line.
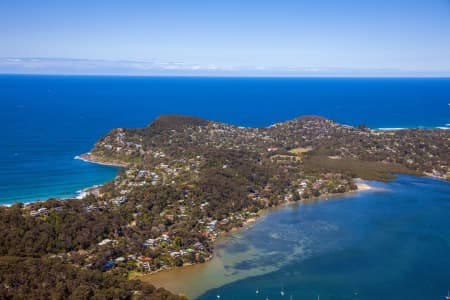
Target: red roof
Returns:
[[144, 258]]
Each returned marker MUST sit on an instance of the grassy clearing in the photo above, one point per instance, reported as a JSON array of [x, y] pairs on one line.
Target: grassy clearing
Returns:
[[370, 170], [299, 151]]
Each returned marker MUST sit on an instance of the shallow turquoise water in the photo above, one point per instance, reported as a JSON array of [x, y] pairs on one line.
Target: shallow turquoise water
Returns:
[[393, 243]]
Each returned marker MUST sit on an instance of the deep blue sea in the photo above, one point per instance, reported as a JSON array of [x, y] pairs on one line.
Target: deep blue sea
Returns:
[[47, 120]]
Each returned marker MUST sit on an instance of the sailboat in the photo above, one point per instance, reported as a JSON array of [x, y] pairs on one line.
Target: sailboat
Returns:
[[282, 291], [257, 291], [448, 296]]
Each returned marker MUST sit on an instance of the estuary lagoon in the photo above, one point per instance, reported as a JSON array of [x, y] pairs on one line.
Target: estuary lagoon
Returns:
[[392, 242]]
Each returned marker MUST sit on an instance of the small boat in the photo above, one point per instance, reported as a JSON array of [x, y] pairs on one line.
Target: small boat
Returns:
[[257, 291]]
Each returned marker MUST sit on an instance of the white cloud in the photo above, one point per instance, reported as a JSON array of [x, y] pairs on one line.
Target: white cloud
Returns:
[[73, 66]]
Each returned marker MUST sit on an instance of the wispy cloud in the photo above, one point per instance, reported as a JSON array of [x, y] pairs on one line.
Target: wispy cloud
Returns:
[[74, 66], [96, 66]]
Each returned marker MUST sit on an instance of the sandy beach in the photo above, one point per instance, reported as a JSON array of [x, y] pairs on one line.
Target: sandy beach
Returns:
[[364, 187]]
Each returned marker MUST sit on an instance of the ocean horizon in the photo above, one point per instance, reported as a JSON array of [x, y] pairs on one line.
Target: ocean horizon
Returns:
[[48, 120]]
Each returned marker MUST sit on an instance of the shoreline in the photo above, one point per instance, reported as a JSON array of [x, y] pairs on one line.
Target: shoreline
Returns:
[[362, 186], [79, 194], [88, 157], [94, 190]]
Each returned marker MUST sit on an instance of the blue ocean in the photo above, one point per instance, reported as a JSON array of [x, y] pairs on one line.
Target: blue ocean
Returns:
[[47, 120]]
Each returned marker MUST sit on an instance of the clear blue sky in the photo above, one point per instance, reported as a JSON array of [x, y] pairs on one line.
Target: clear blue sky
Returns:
[[235, 37]]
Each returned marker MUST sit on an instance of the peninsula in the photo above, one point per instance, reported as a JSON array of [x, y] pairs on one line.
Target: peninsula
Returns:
[[184, 182]]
